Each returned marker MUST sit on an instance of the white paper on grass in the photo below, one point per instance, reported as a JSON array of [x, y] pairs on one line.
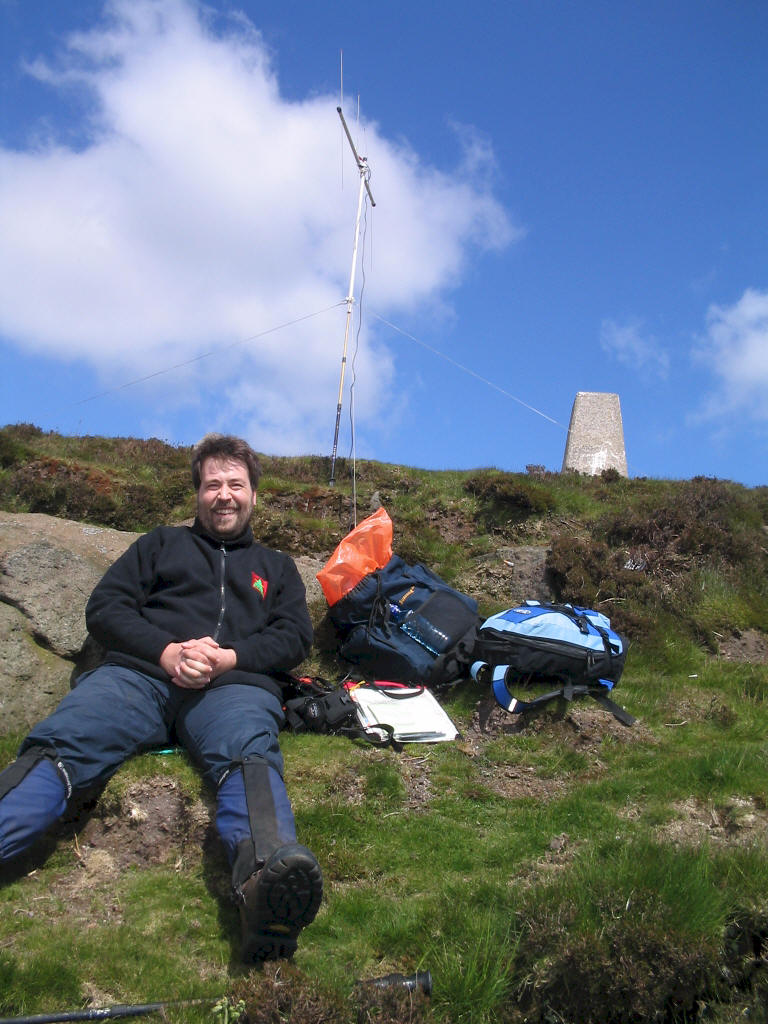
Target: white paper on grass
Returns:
[[414, 715]]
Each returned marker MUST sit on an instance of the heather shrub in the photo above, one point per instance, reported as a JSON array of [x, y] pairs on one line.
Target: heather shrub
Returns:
[[506, 497]]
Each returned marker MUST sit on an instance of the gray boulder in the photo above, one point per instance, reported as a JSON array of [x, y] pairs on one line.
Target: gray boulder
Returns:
[[48, 568]]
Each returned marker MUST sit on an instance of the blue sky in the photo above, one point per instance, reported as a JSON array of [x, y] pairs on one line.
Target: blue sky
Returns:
[[569, 197]]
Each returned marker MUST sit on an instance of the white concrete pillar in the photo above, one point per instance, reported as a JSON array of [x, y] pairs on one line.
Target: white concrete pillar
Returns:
[[595, 435]]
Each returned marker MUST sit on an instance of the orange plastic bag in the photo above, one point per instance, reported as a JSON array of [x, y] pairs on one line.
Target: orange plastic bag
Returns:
[[366, 548]]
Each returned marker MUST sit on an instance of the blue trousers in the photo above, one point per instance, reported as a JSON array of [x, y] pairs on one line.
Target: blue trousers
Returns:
[[114, 713]]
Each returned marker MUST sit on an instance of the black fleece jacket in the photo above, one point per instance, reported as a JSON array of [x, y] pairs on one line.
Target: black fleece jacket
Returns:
[[177, 583]]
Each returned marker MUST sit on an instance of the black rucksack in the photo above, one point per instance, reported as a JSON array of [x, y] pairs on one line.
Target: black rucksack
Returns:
[[402, 622]]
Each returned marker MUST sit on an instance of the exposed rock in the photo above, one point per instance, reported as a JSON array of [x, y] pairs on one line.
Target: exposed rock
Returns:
[[48, 568], [50, 586], [98, 545], [32, 679], [308, 568]]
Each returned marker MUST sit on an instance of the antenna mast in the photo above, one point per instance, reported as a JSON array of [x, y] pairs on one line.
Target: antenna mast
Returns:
[[365, 173]]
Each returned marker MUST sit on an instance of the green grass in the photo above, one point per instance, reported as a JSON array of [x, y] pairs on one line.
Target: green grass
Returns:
[[465, 885]]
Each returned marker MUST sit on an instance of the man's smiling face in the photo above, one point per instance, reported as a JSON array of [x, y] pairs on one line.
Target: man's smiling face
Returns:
[[225, 498]]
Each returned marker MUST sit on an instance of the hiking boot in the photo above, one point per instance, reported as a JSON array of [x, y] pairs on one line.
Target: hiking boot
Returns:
[[277, 902]]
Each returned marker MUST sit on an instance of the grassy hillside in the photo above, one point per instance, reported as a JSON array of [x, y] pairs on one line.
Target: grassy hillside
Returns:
[[571, 870]]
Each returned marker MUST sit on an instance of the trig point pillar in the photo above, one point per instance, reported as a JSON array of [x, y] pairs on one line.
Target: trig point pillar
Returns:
[[595, 435]]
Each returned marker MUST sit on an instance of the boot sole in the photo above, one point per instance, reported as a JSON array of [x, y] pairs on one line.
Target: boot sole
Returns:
[[287, 898]]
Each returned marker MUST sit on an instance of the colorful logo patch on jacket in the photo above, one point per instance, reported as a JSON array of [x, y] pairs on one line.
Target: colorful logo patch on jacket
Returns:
[[259, 583]]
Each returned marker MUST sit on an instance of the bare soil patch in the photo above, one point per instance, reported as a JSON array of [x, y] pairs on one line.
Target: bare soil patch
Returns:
[[748, 646], [416, 777], [740, 821], [346, 785], [452, 524], [510, 575], [153, 824], [583, 725], [581, 728]]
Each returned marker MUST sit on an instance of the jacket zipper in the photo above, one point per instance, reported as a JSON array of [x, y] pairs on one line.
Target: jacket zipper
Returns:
[[222, 592]]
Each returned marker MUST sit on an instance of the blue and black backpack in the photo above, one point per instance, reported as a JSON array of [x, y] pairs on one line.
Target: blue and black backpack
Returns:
[[404, 623], [537, 645]]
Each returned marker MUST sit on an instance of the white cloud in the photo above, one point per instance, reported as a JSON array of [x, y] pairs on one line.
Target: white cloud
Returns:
[[200, 208], [630, 345], [735, 352]]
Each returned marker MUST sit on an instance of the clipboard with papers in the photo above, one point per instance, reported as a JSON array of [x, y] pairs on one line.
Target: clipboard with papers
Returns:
[[411, 712]]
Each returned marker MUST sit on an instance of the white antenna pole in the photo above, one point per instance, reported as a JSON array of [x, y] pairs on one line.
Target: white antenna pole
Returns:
[[365, 174]]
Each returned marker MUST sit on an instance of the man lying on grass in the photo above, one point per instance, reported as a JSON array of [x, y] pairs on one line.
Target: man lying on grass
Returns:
[[197, 623]]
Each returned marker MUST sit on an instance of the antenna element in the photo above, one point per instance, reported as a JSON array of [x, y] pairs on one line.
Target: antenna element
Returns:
[[365, 173]]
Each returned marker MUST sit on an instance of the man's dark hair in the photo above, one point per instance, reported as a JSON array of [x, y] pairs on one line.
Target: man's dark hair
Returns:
[[225, 446]]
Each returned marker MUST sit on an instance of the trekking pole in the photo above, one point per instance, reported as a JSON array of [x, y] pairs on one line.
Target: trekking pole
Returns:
[[105, 1013]]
